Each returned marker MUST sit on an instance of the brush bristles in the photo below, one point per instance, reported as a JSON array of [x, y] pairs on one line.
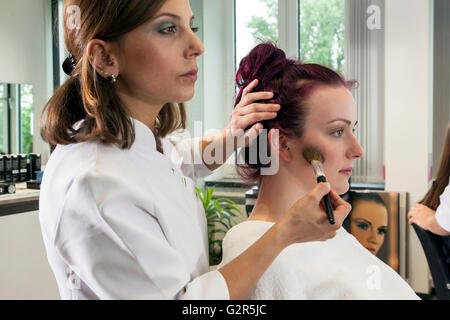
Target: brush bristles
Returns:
[[311, 154]]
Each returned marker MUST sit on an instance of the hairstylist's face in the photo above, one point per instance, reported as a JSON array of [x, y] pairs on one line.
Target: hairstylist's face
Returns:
[[158, 60], [330, 127], [368, 224]]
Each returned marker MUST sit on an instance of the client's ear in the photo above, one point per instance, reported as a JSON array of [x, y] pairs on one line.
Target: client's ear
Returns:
[[279, 143]]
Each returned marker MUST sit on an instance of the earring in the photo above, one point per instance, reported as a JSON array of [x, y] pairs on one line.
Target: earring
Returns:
[[112, 78]]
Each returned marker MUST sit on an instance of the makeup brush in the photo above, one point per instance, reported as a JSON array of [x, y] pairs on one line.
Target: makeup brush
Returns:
[[316, 158]]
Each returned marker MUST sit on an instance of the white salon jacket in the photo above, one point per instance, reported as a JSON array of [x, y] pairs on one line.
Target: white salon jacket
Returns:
[[443, 210], [127, 224]]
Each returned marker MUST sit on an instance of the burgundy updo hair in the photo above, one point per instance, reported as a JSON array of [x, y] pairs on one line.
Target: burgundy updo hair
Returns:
[[292, 83]]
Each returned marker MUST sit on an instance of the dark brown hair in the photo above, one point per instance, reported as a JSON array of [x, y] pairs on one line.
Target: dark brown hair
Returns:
[[88, 96], [431, 199]]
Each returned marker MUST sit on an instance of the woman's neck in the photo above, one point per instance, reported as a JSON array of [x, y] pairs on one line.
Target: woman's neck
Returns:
[[141, 110], [277, 194]]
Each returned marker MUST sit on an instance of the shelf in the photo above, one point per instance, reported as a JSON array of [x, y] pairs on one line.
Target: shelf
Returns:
[[24, 200]]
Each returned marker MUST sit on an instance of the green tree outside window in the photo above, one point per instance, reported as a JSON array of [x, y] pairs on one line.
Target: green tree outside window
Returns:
[[321, 30], [26, 93]]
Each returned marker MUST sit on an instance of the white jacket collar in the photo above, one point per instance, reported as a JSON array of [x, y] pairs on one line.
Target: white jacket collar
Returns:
[[143, 135]]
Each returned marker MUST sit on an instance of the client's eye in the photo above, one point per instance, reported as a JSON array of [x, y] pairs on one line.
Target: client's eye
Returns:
[[382, 230]]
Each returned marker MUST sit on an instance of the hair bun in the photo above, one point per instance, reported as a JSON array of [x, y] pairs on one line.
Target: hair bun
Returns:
[[264, 62]]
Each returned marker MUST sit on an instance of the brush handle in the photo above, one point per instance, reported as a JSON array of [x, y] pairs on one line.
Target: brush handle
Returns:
[[327, 202]]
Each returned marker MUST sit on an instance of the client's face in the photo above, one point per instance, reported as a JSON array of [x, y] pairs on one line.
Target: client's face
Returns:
[[368, 224], [330, 128]]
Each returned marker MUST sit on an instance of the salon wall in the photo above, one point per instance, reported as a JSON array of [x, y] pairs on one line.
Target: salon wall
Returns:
[[218, 63], [408, 113], [218, 90]]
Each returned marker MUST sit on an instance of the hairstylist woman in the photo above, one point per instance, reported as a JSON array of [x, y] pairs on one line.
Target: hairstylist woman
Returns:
[[118, 209]]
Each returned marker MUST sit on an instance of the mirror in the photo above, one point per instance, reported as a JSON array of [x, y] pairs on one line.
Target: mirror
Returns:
[[16, 114]]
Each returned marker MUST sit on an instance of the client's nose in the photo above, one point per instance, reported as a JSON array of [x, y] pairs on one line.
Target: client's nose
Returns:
[[355, 151]]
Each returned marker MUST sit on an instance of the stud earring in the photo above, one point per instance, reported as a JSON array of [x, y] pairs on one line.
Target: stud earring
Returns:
[[112, 78]]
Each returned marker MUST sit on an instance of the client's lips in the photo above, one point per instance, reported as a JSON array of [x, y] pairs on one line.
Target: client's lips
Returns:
[[347, 171], [372, 250]]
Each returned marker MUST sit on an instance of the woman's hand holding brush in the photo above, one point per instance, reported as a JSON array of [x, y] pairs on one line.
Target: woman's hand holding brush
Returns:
[[307, 219]]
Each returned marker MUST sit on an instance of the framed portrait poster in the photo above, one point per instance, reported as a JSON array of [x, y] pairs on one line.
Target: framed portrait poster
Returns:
[[378, 221]]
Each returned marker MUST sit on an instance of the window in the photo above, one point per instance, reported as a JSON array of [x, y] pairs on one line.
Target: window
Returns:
[[16, 113], [256, 21], [322, 32], [3, 118], [26, 118]]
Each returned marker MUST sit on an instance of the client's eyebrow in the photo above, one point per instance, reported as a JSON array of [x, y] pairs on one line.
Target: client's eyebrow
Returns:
[[343, 120], [348, 122]]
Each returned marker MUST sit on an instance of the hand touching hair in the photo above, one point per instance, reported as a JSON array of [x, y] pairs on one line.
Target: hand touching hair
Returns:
[[292, 83]]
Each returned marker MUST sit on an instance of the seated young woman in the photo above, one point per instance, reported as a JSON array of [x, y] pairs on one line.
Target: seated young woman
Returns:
[[317, 110]]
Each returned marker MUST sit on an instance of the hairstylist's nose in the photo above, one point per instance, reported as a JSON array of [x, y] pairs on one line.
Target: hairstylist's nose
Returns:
[[355, 151], [195, 47]]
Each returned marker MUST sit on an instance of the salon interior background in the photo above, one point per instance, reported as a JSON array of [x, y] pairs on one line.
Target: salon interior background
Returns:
[[397, 50]]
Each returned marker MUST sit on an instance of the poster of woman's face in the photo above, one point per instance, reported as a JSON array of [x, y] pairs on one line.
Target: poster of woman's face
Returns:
[[374, 221]]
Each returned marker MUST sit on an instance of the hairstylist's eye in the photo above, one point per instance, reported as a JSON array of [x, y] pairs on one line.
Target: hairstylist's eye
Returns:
[[338, 133], [195, 29], [167, 28]]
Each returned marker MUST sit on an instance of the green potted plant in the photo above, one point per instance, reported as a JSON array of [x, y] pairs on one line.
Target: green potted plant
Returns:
[[219, 215]]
